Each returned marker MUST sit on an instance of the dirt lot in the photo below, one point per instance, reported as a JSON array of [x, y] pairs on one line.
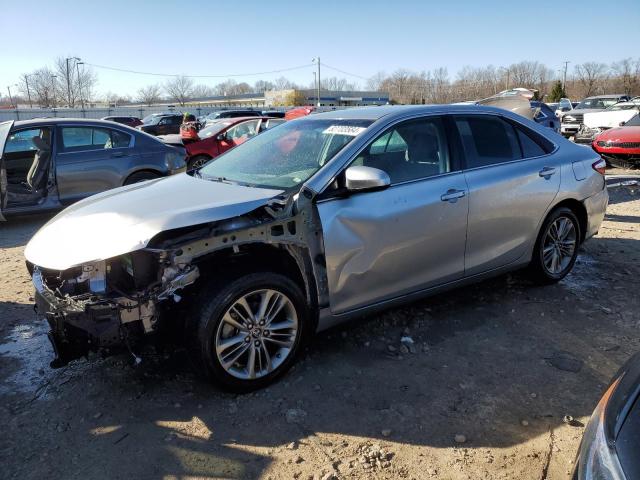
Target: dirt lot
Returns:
[[500, 364]]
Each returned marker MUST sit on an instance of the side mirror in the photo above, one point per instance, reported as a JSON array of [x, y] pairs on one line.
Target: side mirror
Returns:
[[221, 136], [359, 179], [621, 124]]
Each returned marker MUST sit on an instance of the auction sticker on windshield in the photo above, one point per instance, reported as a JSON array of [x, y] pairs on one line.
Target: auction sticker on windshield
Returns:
[[344, 130]]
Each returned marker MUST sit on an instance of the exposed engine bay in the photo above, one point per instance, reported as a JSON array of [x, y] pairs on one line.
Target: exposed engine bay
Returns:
[[110, 305]]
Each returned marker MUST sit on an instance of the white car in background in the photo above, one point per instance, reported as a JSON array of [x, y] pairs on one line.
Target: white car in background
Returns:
[[616, 115], [571, 120]]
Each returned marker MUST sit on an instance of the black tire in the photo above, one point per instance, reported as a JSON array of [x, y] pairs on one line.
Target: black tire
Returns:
[[211, 303], [538, 270], [140, 177], [197, 161]]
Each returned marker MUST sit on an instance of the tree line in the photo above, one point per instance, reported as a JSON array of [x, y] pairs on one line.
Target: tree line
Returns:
[[72, 83]]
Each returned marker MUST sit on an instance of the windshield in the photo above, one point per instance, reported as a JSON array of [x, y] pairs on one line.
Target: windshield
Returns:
[[634, 122], [213, 129], [151, 119], [597, 103], [286, 156]]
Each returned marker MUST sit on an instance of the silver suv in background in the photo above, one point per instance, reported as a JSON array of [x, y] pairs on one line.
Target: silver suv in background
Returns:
[[304, 226]]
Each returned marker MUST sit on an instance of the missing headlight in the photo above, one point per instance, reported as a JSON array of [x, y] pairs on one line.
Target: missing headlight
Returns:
[[95, 274]]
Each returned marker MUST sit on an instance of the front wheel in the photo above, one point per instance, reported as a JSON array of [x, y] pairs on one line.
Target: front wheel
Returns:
[[197, 161], [556, 249], [248, 332]]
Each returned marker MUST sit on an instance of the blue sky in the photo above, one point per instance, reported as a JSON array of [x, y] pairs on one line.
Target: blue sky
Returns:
[[217, 38]]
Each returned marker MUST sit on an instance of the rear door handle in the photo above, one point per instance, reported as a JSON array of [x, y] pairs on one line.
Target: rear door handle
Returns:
[[452, 195], [118, 154], [546, 172]]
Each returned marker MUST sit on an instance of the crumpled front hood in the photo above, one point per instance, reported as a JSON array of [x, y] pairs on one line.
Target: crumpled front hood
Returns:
[[125, 219]]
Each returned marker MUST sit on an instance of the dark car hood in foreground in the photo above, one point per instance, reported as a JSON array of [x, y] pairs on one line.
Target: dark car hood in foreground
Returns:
[[125, 219]]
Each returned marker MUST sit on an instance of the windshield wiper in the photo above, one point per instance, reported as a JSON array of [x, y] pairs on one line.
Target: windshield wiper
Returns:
[[215, 178]]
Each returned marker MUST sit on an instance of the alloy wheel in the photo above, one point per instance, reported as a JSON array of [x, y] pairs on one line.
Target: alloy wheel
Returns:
[[559, 245], [256, 334]]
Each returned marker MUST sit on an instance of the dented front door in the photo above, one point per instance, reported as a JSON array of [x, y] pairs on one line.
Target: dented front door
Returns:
[[384, 244]]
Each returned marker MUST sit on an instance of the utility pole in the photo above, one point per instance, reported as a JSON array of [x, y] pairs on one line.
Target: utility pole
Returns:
[[317, 60], [10, 98], [80, 84], [68, 75], [315, 83], [564, 77], [68, 85], [53, 91], [26, 81]]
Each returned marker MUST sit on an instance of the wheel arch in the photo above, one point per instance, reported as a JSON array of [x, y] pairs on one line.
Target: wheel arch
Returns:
[[142, 170], [579, 210], [289, 260]]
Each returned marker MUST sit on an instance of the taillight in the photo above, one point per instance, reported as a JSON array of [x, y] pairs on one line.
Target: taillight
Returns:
[[600, 166]]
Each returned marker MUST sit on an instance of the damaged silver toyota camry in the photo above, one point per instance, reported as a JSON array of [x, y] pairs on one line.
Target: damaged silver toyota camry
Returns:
[[319, 220]]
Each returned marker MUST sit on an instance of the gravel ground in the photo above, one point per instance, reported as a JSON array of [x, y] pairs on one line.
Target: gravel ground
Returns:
[[483, 391]]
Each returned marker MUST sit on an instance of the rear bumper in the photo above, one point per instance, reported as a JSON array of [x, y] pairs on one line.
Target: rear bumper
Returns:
[[596, 207]]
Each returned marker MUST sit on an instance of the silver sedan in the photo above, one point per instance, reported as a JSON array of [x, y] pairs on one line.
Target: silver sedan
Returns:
[[319, 220]]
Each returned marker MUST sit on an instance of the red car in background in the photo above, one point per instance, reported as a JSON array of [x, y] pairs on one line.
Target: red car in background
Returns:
[[620, 146], [298, 112], [220, 136]]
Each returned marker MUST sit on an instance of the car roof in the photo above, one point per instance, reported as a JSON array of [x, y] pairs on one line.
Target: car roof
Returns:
[[607, 96], [65, 121], [376, 113]]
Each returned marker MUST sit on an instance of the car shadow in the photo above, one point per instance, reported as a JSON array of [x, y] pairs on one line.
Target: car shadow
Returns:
[[16, 232]]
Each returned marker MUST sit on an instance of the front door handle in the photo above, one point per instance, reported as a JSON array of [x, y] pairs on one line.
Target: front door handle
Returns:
[[546, 172], [452, 195]]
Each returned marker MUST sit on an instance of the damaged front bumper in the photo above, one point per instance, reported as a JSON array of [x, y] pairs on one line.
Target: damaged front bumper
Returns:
[[99, 323]]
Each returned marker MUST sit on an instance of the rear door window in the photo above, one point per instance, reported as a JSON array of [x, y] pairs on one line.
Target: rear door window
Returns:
[[487, 140], [77, 139]]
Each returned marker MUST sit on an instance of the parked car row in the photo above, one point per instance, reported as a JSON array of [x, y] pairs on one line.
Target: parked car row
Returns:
[[219, 136], [572, 119]]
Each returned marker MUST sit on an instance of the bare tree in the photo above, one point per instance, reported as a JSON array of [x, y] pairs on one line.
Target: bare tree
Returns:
[[375, 82], [590, 76], [150, 94], [77, 83], [40, 87], [628, 73], [179, 89], [202, 91], [262, 86], [282, 83]]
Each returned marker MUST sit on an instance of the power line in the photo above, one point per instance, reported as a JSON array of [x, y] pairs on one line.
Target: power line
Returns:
[[345, 73], [156, 74]]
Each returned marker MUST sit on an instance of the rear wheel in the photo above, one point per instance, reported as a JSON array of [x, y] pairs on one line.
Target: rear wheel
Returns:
[[140, 177], [556, 249], [248, 332], [198, 161]]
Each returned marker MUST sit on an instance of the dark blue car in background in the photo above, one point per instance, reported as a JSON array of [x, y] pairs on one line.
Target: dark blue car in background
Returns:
[[545, 116]]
